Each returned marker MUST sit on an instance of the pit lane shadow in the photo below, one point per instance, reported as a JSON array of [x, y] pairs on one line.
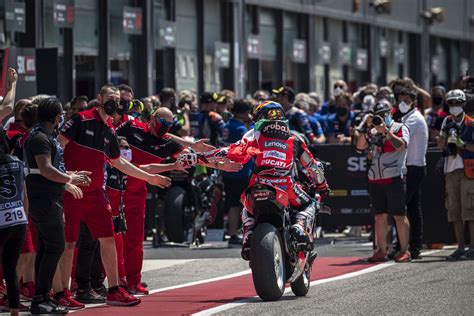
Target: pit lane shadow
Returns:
[[249, 300]]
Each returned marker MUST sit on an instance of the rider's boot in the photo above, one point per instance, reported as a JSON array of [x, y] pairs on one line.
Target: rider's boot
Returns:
[[303, 227], [248, 224]]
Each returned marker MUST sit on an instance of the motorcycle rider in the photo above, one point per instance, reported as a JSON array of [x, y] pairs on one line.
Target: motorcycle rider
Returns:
[[278, 154]]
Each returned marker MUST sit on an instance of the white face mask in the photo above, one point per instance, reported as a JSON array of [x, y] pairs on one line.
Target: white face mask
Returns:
[[456, 110], [126, 154], [338, 91], [404, 107]]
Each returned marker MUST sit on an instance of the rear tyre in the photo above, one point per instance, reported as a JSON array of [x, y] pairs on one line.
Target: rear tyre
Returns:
[[174, 210], [267, 261], [301, 286]]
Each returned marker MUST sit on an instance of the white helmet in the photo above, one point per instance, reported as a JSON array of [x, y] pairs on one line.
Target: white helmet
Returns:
[[455, 95]]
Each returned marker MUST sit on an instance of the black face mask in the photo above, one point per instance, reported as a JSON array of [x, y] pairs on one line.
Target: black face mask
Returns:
[[340, 111], [122, 107], [437, 100], [110, 107]]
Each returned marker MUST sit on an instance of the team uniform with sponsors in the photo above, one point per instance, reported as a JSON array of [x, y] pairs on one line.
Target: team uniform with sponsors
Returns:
[[91, 143], [146, 149]]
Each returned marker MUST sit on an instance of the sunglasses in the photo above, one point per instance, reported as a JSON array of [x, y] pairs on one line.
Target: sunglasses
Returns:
[[164, 122]]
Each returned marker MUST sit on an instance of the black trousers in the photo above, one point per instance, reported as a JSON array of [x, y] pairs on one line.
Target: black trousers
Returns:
[[47, 213], [415, 176], [11, 241], [88, 262]]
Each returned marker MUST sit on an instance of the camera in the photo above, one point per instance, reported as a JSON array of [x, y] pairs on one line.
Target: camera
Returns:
[[451, 141], [120, 223], [377, 120]]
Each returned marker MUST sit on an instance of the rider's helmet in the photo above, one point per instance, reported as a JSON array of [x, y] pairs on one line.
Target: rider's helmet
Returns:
[[268, 110]]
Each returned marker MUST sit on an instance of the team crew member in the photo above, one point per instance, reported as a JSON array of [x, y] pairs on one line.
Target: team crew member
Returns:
[[236, 182], [89, 140], [46, 183], [149, 146], [13, 220]]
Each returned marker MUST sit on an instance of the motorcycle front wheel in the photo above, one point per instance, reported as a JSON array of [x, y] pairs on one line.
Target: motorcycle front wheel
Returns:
[[301, 286], [175, 202], [267, 260]]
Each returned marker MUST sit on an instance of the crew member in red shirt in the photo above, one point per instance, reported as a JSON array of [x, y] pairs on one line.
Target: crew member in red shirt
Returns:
[[89, 141]]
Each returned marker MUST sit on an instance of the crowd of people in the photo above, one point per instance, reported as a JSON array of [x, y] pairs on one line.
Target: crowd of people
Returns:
[[71, 176]]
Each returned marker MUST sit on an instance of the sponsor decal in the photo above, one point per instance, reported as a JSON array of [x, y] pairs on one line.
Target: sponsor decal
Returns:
[[347, 211], [271, 181], [275, 163], [261, 195], [137, 136], [359, 193], [89, 132], [275, 144], [338, 192], [274, 154], [276, 127], [355, 164]]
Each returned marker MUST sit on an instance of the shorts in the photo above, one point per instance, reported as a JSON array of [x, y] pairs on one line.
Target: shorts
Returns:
[[388, 198], [233, 190], [459, 197], [93, 209]]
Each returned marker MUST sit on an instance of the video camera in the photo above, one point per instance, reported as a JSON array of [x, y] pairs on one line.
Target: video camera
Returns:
[[452, 133]]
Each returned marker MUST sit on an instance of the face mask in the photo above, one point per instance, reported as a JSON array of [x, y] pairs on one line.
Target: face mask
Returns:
[[437, 100], [337, 91], [110, 107], [456, 110], [340, 111], [126, 154], [161, 127], [404, 107], [61, 122], [122, 107], [388, 120]]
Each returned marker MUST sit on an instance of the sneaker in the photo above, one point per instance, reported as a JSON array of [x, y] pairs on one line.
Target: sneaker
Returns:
[[403, 257], [23, 308], [235, 240], [122, 298], [138, 290], [456, 255], [42, 306], [65, 299], [415, 254], [378, 256], [393, 254], [102, 290], [4, 304], [27, 291], [468, 255], [89, 296]]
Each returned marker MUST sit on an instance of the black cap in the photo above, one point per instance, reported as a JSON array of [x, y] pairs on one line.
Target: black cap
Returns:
[[241, 106], [381, 107], [285, 90]]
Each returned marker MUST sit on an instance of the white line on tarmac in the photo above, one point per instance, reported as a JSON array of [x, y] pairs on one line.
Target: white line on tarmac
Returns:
[[378, 267]]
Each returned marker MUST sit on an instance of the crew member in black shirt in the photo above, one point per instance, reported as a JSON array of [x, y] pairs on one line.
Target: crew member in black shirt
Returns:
[[46, 182]]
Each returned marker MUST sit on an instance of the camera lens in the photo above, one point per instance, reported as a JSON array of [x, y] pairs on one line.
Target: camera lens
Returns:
[[377, 120]]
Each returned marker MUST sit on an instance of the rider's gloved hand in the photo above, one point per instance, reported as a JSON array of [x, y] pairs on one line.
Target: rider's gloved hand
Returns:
[[188, 159]]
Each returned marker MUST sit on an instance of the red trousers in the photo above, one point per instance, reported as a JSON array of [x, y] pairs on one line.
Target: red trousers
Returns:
[[135, 205], [114, 200]]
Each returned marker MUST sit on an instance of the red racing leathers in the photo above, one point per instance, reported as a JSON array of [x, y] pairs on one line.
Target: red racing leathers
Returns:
[[278, 154]]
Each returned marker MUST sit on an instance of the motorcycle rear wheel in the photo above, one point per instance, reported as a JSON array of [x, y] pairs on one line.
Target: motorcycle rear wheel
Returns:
[[267, 260]]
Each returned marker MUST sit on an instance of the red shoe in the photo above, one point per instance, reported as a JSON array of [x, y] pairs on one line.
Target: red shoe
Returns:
[[403, 257], [4, 304], [122, 298], [65, 299], [27, 291], [24, 308], [379, 256], [138, 290]]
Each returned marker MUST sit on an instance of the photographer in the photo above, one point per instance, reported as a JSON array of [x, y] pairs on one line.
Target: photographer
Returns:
[[387, 142], [456, 141]]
